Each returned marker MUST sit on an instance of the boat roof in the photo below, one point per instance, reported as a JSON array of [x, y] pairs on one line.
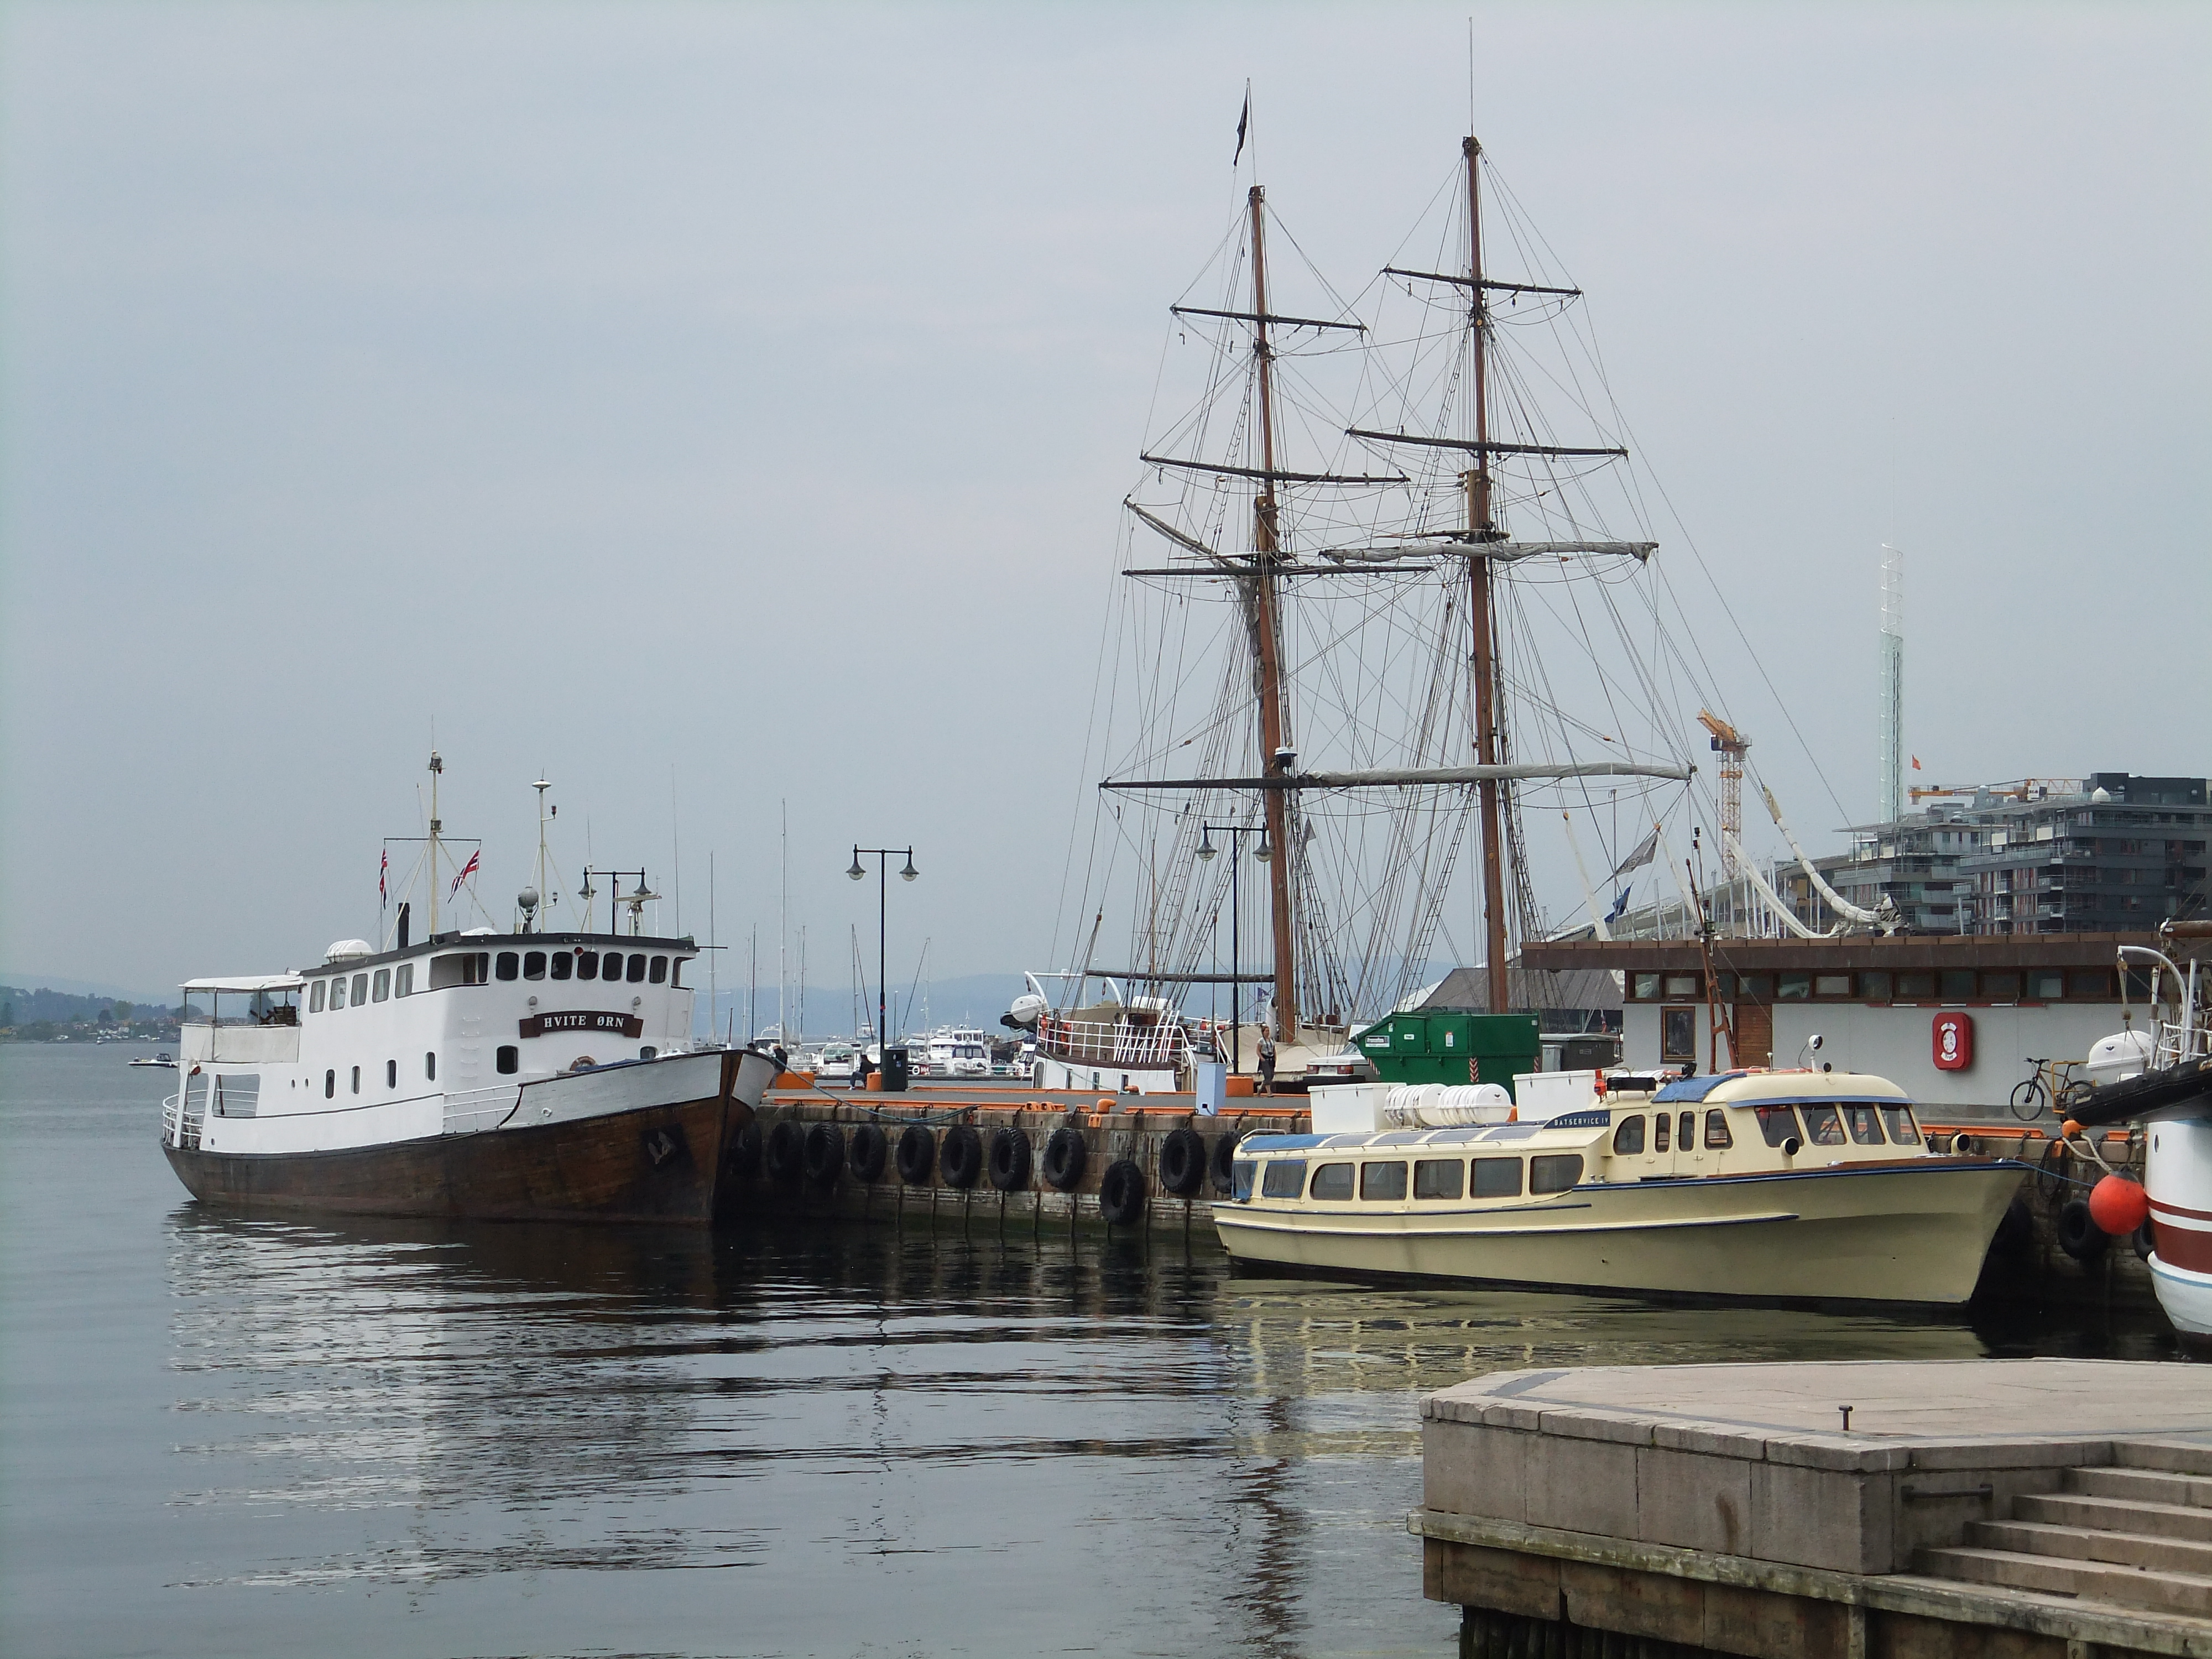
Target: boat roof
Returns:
[[1776, 1088], [245, 982], [1571, 1127]]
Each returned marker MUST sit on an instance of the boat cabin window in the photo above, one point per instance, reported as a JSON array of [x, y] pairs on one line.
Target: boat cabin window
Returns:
[[1823, 1126], [510, 964], [337, 994], [1499, 1177], [1663, 1127], [1383, 1183], [315, 992], [506, 1059], [360, 989], [459, 968], [588, 964], [430, 1066], [1333, 1180], [381, 990], [533, 964], [1438, 1177], [676, 972], [1628, 1135], [1778, 1124], [237, 1094], [562, 964], [1240, 1180], [659, 974], [330, 1086], [391, 1074], [1864, 1124], [1286, 1178], [1902, 1130], [1717, 1134], [637, 968], [403, 979], [1554, 1172]]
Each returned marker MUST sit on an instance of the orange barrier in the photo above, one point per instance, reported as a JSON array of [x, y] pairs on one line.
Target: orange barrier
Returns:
[[793, 1080]]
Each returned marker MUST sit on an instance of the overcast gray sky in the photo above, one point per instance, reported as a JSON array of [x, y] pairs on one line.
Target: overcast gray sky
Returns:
[[710, 406]]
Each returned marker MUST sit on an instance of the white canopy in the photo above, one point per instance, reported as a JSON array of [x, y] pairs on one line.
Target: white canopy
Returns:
[[248, 982]]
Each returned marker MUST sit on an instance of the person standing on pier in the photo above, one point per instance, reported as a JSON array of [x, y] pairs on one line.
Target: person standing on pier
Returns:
[[1267, 1061]]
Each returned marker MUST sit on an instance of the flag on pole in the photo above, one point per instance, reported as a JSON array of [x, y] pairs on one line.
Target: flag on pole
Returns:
[[1646, 850], [467, 870], [382, 871], [1244, 120], [1916, 762], [1620, 906]]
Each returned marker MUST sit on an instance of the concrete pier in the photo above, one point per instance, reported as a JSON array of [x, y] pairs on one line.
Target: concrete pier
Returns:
[[2039, 1509]]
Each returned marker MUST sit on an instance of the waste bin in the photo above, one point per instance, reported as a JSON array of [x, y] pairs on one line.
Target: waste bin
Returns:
[[894, 1071]]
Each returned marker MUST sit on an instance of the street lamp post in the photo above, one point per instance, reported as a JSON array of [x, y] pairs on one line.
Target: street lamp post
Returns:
[[1263, 852], [882, 855]]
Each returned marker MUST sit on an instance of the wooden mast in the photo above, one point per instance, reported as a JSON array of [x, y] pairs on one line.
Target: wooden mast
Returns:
[[1482, 528], [1275, 734]]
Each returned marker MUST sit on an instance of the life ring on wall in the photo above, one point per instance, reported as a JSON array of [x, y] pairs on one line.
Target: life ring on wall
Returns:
[[1009, 1161], [961, 1158], [1121, 1193], [917, 1151], [786, 1153], [825, 1153], [1183, 1163], [1064, 1156], [870, 1151]]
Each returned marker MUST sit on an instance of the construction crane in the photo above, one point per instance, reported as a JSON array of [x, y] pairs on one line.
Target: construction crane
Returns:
[[1731, 745]]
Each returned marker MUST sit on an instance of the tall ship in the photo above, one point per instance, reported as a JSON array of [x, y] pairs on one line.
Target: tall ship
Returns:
[[520, 1074], [1390, 616]]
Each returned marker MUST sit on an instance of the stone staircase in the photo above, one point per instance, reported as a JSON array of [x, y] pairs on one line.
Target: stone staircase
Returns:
[[2137, 1532]]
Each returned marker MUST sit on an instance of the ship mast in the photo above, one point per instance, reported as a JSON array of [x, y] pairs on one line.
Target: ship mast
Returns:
[[1481, 527], [437, 766], [1275, 734]]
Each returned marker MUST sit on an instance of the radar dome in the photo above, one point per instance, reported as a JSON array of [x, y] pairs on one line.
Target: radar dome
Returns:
[[347, 949]]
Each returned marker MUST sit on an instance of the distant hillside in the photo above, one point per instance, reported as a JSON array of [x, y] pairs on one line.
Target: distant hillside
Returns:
[[36, 1013]]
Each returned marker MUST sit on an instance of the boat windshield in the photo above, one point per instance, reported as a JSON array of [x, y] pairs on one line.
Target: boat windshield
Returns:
[[1902, 1130], [1240, 1180]]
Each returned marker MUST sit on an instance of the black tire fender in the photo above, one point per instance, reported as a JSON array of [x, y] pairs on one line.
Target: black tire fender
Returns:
[[2144, 1240], [743, 1156], [1121, 1193], [1222, 1166], [1064, 1157], [917, 1153], [785, 1154], [825, 1153], [871, 1152], [960, 1159], [1009, 1161], [2079, 1235], [1183, 1163]]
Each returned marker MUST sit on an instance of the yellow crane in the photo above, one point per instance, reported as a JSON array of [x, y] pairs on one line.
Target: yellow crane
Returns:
[[1731, 745]]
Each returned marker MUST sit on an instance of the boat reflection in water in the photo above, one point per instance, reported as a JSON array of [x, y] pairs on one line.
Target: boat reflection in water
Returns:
[[885, 1438]]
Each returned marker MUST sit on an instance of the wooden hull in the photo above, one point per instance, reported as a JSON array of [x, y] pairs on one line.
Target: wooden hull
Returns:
[[658, 1163], [1915, 1233]]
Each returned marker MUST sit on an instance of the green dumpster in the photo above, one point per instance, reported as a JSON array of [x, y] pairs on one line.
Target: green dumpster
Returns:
[[1439, 1046]]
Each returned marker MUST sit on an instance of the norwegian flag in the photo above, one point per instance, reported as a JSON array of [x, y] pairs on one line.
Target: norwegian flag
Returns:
[[467, 870], [382, 871]]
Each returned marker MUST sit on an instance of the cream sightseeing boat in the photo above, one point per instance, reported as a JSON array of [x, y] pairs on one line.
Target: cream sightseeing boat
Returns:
[[1778, 1185], [530, 1075]]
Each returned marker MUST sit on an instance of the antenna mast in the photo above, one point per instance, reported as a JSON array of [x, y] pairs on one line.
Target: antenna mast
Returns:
[[437, 767], [1274, 735], [1481, 527]]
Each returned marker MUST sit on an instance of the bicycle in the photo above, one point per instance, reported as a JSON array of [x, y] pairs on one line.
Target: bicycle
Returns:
[[2039, 1093]]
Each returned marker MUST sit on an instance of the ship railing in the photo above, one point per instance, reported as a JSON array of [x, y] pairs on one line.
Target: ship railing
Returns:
[[1114, 1043], [181, 1117], [470, 1111]]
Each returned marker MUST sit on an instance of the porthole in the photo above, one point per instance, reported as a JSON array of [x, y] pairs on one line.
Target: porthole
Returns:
[[508, 1060], [430, 1067], [391, 1074], [356, 1079], [330, 1084]]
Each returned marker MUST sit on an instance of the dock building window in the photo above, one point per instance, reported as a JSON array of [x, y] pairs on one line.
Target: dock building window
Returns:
[[1778, 1124], [381, 991], [403, 979], [1554, 1172], [1958, 984], [1916, 988], [563, 964], [1717, 1134], [1832, 985], [2046, 986], [1793, 988], [1628, 1136], [1678, 1035], [1497, 1177], [1333, 1182], [1823, 1126], [533, 964], [1683, 985], [510, 964], [1286, 1178], [659, 974], [1644, 988], [1383, 1183], [315, 997], [2001, 987], [1438, 1177], [1902, 1130], [506, 1059], [1873, 986]]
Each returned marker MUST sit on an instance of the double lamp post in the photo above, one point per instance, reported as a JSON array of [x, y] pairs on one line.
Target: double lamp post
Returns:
[[882, 855]]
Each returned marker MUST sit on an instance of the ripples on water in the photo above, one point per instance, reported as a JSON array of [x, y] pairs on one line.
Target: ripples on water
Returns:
[[401, 1437]]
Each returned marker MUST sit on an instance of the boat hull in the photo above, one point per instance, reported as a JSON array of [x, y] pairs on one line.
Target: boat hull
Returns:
[[657, 1162], [1914, 1232]]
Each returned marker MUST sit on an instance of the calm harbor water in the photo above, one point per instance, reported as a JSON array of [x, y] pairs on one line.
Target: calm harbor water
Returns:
[[229, 1437]]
